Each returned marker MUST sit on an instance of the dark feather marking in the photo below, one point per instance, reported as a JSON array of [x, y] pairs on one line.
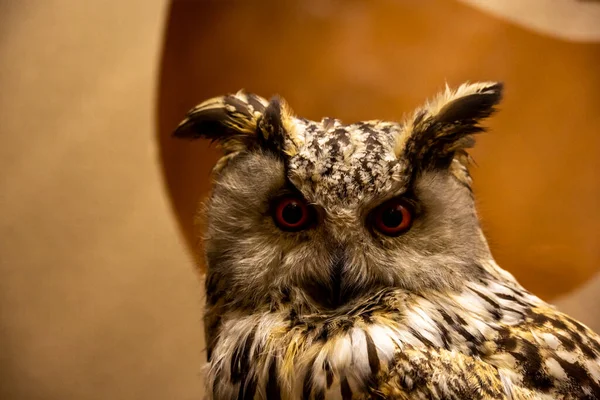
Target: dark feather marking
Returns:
[[574, 335], [579, 326], [541, 319], [328, 373], [587, 350], [323, 334], [505, 341], [213, 293], [375, 395], [247, 389], [307, 385], [240, 361], [319, 395], [579, 376], [532, 363], [212, 327], [345, 389], [444, 334], [447, 318], [215, 385], [465, 185], [345, 325], [495, 311], [596, 345], [483, 275], [273, 390], [472, 341], [508, 297], [372, 356], [567, 343], [560, 325], [578, 340], [422, 338]]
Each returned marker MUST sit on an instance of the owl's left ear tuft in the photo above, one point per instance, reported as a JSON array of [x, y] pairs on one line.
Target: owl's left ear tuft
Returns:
[[239, 122], [229, 120], [445, 126]]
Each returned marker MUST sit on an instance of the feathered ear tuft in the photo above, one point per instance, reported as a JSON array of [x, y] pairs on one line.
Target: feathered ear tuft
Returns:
[[239, 122], [439, 132], [229, 120]]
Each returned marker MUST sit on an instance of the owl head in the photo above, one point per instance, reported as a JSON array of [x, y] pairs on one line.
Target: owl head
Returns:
[[323, 214]]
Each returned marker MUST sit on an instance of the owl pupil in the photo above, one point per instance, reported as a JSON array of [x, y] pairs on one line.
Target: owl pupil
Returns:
[[392, 217], [292, 213]]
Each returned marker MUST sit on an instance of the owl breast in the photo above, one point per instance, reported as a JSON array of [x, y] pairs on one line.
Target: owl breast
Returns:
[[462, 345]]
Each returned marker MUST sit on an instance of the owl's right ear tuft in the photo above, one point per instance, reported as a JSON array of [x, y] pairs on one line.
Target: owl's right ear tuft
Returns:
[[443, 129], [229, 120]]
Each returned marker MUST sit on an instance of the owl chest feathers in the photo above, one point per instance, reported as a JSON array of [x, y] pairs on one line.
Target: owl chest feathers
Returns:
[[508, 340]]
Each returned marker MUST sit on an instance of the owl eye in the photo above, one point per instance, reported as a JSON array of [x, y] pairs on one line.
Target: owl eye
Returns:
[[292, 214], [392, 218]]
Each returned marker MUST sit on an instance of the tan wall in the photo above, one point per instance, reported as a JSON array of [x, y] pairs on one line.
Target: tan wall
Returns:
[[98, 294], [98, 297]]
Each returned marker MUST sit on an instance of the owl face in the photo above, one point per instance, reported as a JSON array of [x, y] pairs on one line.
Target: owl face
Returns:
[[323, 214]]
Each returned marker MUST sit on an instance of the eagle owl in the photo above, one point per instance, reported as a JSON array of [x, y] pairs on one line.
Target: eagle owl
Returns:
[[346, 261]]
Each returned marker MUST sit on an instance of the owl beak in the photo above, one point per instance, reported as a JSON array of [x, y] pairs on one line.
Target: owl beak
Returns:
[[333, 292], [336, 273]]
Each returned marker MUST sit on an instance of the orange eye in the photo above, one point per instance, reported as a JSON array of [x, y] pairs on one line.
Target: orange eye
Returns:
[[292, 214], [392, 218]]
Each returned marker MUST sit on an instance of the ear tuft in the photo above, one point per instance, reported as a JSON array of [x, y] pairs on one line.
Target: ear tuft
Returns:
[[442, 129], [472, 107], [230, 120], [240, 122]]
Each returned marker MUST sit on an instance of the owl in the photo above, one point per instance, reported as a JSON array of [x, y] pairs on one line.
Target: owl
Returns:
[[347, 261]]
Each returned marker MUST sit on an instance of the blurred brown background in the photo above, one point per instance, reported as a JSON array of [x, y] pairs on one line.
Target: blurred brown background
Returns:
[[98, 294]]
